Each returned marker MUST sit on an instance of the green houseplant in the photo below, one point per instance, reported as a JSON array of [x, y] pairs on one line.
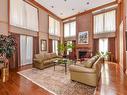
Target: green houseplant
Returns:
[[7, 46], [62, 48], [106, 55]]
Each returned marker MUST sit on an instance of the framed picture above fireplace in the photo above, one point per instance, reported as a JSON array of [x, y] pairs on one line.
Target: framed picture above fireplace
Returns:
[[83, 37]]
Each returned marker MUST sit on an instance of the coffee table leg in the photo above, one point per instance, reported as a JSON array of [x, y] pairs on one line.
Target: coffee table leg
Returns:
[[65, 68], [54, 66]]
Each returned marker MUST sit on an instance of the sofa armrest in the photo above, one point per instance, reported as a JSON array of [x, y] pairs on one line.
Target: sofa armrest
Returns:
[[81, 69]]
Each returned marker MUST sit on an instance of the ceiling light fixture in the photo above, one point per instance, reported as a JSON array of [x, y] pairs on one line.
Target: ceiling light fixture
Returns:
[[88, 3], [61, 13], [52, 6], [73, 9]]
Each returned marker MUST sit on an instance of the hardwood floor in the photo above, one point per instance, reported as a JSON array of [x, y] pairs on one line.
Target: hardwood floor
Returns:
[[112, 82]]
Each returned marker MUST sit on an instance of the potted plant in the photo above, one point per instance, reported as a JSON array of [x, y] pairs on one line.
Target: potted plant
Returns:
[[7, 46], [70, 46], [61, 48], [107, 56]]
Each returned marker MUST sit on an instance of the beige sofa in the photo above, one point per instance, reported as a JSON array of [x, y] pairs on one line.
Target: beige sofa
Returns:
[[44, 60], [87, 73]]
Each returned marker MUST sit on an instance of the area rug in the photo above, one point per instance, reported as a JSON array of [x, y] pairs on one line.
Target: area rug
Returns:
[[57, 82]]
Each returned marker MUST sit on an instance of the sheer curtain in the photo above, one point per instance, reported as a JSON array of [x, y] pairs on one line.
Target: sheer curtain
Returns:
[[16, 13], [110, 21], [73, 29], [55, 46], [103, 45], [31, 17], [98, 24], [23, 15], [54, 27], [23, 49], [26, 49], [57, 28], [66, 30], [70, 29], [51, 25], [105, 22]]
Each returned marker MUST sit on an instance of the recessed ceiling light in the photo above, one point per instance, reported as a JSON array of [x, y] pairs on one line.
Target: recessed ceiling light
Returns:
[[88, 3], [73, 9], [61, 13], [65, 0], [52, 6]]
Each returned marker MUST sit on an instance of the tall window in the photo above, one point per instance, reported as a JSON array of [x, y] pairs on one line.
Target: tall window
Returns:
[[23, 15], [70, 29], [55, 46], [26, 49], [54, 27], [105, 22], [103, 45]]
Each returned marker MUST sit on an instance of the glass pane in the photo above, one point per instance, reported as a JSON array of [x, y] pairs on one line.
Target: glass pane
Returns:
[[55, 46], [57, 28], [51, 26], [66, 30], [110, 21], [31, 17], [98, 24], [73, 28], [29, 50], [103, 45]]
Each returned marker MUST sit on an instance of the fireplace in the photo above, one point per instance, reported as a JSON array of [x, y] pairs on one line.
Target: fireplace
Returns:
[[82, 54]]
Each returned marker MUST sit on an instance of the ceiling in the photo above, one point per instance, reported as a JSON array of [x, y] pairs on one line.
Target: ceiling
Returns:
[[66, 8]]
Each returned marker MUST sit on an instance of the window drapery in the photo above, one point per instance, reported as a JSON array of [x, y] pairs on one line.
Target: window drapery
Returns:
[[55, 46], [26, 49], [105, 22], [70, 29], [23, 15], [103, 45], [54, 27]]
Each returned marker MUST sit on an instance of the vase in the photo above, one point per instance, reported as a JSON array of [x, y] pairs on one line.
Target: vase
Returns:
[[4, 74]]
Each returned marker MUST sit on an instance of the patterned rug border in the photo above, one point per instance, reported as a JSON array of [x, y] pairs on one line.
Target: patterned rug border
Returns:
[[19, 72], [35, 82]]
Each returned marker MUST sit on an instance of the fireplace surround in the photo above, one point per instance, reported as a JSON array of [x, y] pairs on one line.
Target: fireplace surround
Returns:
[[83, 53]]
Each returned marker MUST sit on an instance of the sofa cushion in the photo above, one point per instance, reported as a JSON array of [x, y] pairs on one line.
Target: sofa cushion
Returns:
[[53, 55], [40, 56], [90, 62], [47, 62], [76, 68], [37, 60]]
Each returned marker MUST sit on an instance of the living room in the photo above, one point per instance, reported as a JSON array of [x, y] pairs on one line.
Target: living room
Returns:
[[63, 47]]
